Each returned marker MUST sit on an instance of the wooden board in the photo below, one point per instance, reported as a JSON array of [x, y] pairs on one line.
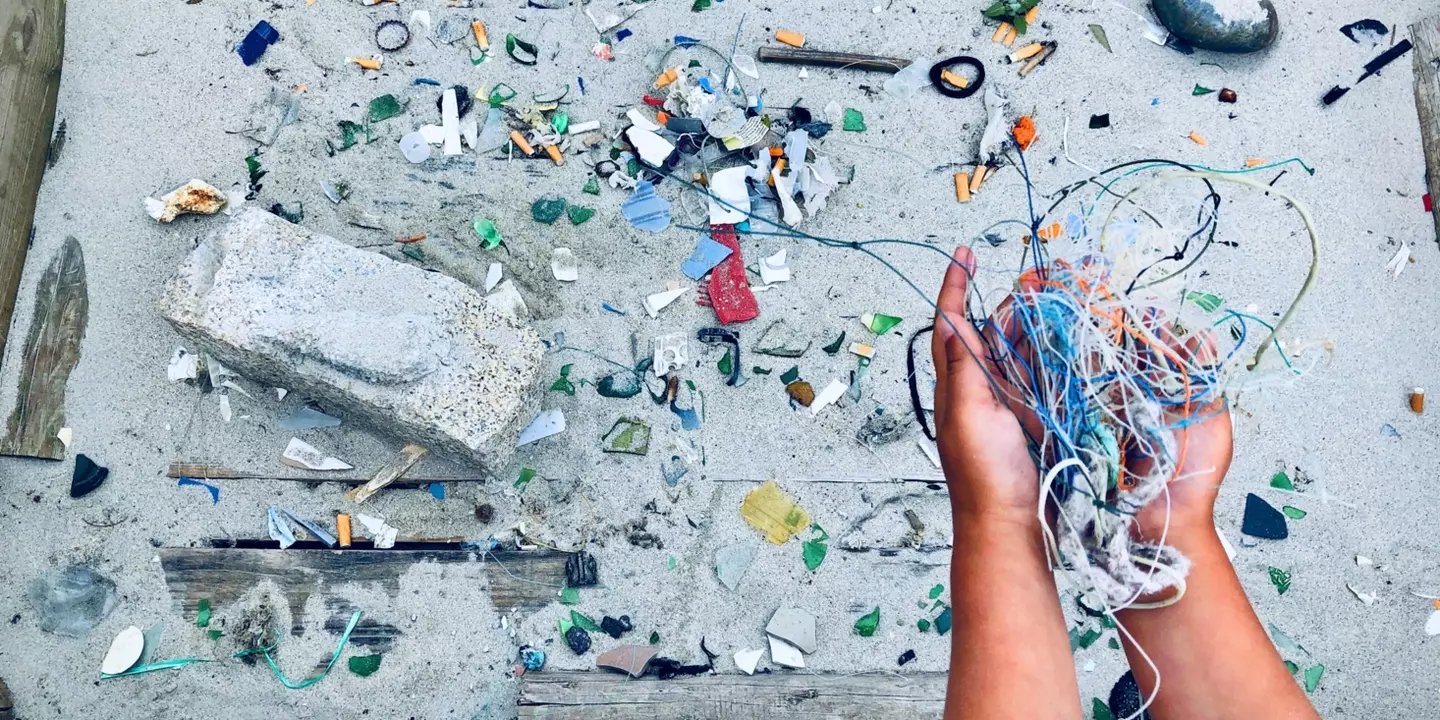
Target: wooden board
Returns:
[[204, 471], [32, 45], [1426, 36], [525, 580], [776, 696], [52, 349]]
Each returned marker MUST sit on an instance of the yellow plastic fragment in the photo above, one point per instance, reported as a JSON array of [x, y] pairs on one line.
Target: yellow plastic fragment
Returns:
[[769, 510]]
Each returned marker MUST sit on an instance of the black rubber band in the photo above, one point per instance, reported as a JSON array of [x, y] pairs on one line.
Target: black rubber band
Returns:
[[950, 91], [389, 23], [914, 378]]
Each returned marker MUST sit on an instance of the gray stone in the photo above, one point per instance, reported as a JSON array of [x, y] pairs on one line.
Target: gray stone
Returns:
[[1231, 26], [417, 355]]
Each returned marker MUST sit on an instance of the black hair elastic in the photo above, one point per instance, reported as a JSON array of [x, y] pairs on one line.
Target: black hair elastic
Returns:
[[914, 378], [380, 29], [950, 91]]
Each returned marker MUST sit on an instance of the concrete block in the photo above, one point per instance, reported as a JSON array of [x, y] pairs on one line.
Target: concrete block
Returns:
[[414, 354]]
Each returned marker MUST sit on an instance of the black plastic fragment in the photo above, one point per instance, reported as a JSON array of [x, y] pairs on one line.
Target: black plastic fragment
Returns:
[[906, 657], [1363, 27], [616, 628], [1125, 700], [1262, 520], [1335, 93], [1375, 66], [581, 570], [87, 477], [1098, 122], [721, 335], [577, 639]]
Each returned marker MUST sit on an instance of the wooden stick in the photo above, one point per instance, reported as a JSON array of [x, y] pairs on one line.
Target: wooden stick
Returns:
[[820, 58], [388, 474], [1426, 37]]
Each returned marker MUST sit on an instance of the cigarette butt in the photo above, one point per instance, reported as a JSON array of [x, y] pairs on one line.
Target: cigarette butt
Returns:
[[520, 142], [1040, 58], [1025, 52], [667, 77], [962, 187], [1033, 15], [480, 38], [1000, 32], [959, 81], [1010, 37], [1196, 138], [700, 179], [554, 153], [863, 350], [661, 118], [790, 37], [368, 63], [779, 168], [1417, 400], [777, 151], [978, 178], [342, 528], [1254, 163]]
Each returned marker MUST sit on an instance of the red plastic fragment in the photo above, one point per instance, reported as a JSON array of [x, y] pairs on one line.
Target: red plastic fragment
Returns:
[[1429, 206], [656, 102], [730, 294]]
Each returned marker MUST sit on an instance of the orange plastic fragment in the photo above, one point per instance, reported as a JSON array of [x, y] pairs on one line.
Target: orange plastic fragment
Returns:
[[790, 37], [1436, 603], [667, 77], [1196, 138], [777, 151], [368, 63], [1025, 132], [662, 117], [411, 239], [554, 153], [481, 38], [1000, 32], [962, 187], [1051, 232], [520, 142], [1254, 163]]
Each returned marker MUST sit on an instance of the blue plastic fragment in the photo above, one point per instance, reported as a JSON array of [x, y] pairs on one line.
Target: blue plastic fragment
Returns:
[[689, 419], [427, 81], [615, 310], [622, 34], [256, 42], [645, 209], [816, 129], [672, 474], [685, 41], [534, 658], [707, 255], [705, 84], [437, 491], [214, 491], [581, 82]]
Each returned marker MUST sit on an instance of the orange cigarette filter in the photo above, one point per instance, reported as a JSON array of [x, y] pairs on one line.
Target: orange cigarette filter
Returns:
[[1198, 139], [1417, 401], [481, 38], [1000, 32], [342, 528], [520, 142], [368, 63], [1010, 36], [1030, 50], [962, 187], [1254, 163], [959, 81], [978, 177], [779, 168], [554, 153], [1033, 15], [790, 37]]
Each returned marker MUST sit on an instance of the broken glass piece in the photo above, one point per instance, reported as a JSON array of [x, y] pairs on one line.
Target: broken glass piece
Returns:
[[628, 435], [384, 108], [365, 665], [935, 591], [1281, 481], [1100, 37], [547, 210], [1292, 512], [562, 383], [706, 256], [524, 53], [772, 512], [879, 324], [942, 623], [726, 366], [834, 347], [1262, 520], [1292, 667], [278, 529], [854, 121], [87, 476], [493, 275], [302, 455], [72, 600], [732, 561], [307, 418], [624, 384], [1280, 579], [645, 209], [569, 596], [564, 265], [791, 375], [794, 626], [865, 626], [578, 214], [1312, 677], [203, 613], [1200, 90], [909, 80], [592, 186], [780, 340], [546, 424], [487, 232], [814, 550], [922, 625]]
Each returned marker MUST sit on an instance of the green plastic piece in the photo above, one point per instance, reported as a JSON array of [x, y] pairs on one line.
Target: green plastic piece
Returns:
[[693, 63], [584, 622], [530, 52], [654, 638], [547, 210], [1292, 667], [487, 232], [1280, 579], [1207, 301], [670, 563], [761, 371], [1293, 512], [578, 215], [365, 665], [569, 596], [699, 5], [384, 108], [1113, 644], [791, 375], [879, 324], [923, 625], [526, 475], [814, 550], [854, 121], [413, 252], [865, 626], [1312, 677], [1200, 90], [1098, 709], [942, 623], [202, 613], [562, 383], [560, 121], [1281, 481], [935, 591], [726, 364], [592, 186]]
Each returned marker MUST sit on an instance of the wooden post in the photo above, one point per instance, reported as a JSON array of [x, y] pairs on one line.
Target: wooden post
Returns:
[[32, 45], [1426, 36]]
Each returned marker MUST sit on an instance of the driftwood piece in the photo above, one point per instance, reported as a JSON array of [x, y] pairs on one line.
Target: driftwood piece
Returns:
[[51, 352], [776, 696], [1426, 36], [32, 46], [525, 580], [821, 58], [409, 455], [206, 471]]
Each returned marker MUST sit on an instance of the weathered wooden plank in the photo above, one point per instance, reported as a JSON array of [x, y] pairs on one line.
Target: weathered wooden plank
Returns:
[[776, 696], [1426, 37], [203, 471], [51, 352], [33, 46], [525, 580]]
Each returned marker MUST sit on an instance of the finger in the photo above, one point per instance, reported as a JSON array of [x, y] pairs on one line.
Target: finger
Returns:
[[960, 342]]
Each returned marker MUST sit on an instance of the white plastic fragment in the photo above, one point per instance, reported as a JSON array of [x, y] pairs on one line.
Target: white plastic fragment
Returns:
[[653, 149], [546, 424], [832, 392], [804, 73], [775, 269], [470, 130], [280, 393], [493, 275], [65, 436], [783, 653], [1402, 258], [833, 112], [657, 302], [1432, 626], [564, 265], [746, 65], [1156, 33], [585, 127], [381, 532], [225, 412], [670, 353], [183, 366], [640, 121], [421, 18], [747, 660], [927, 446], [1367, 598], [785, 188], [450, 115], [300, 454], [729, 197], [433, 134], [124, 650], [1363, 561], [414, 148], [907, 82]]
